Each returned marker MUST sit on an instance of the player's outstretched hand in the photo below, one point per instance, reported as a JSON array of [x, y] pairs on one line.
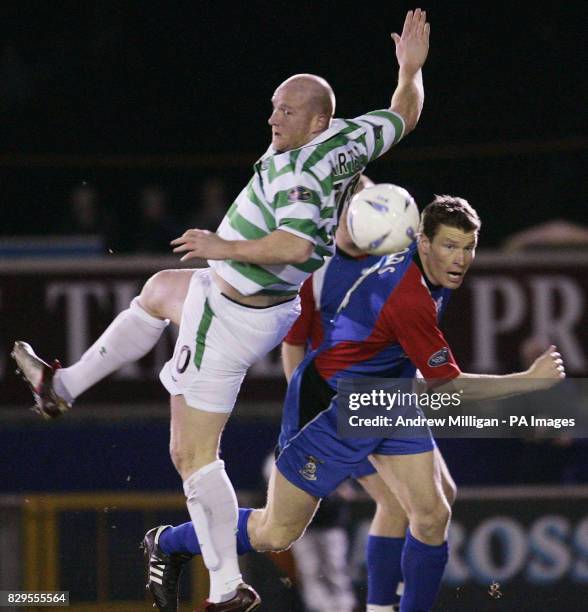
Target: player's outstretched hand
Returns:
[[548, 367], [200, 244], [412, 46]]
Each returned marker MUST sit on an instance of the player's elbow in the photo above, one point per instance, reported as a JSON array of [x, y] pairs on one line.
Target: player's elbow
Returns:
[[410, 117], [288, 248], [410, 122]]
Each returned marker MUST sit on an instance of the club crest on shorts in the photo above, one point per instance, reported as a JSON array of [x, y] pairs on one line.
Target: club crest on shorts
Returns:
[[308, 472], [299, 194], [183, 359], [439, 358]]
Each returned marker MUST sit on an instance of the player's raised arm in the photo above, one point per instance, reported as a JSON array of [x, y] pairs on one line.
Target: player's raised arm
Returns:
[[412, 47]]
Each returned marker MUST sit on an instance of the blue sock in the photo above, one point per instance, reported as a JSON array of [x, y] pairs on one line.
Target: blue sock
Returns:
[[243, 543], [182, 539], [422, 568], [382, 556]]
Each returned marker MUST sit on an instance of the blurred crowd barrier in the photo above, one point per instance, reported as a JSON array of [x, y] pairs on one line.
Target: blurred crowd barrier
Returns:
[[523, 546], [61, 305]]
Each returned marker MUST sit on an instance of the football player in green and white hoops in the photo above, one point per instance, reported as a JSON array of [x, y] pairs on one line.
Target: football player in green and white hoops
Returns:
[[231, 314]]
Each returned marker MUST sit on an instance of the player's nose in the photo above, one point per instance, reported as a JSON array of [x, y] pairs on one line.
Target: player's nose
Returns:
[[459, 258]]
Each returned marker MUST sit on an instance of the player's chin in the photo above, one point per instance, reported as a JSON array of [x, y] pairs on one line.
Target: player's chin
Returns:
[[278, 143]]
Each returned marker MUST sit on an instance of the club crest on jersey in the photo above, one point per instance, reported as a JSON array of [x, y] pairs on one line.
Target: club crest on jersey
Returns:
[[439, 358], [299, 194], [308, 472]]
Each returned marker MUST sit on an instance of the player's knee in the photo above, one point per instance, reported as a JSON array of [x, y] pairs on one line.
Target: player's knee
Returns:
[[281, 538], [268, 533], [432, 519], [153, 294], [164, 294], [189, 460]]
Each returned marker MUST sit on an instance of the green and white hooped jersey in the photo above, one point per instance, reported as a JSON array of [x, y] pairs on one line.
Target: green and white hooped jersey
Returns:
[[300, 192]]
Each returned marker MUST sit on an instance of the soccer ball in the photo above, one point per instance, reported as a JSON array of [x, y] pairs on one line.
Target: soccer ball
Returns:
[[382, 219]]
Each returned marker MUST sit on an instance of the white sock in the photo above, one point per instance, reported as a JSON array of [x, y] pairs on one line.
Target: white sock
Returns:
[[131, 335], [212, 505]]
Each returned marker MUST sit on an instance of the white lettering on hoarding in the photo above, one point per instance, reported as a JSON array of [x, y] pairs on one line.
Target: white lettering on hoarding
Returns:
[[557, 324], [553, 309], [502, 549], [487, 323], [76, 296]]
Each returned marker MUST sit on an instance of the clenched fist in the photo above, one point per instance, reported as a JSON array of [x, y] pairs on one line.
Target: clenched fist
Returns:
[[548, 367]]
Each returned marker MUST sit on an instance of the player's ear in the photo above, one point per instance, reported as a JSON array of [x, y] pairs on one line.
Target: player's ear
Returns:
[[320, 122], [424, 243]]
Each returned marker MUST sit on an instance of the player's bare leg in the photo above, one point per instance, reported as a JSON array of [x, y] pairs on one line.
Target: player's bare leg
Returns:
[[386, 539], [132, 334], [390, 519], [287, 513], [164, 293], [417, 482], [447, 482], [211, 501], [283, 520], [383, 547], [289, 510]]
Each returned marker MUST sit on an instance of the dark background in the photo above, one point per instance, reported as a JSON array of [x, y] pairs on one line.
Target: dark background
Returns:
[[504, 122]]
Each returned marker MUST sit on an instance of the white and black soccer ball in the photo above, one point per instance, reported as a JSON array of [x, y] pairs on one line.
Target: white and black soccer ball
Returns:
[[383, 219]]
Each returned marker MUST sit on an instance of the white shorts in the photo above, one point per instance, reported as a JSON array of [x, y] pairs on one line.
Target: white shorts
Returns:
[[218, 341]]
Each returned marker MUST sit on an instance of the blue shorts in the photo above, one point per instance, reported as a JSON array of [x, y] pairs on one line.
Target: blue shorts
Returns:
[[314, 457]]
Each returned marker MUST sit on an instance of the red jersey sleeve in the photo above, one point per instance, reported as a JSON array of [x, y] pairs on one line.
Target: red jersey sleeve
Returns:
[[413, 319], [300, 332]]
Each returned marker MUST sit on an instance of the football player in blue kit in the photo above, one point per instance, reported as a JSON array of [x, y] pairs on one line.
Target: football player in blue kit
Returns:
[[386, 325], [321, 296]]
